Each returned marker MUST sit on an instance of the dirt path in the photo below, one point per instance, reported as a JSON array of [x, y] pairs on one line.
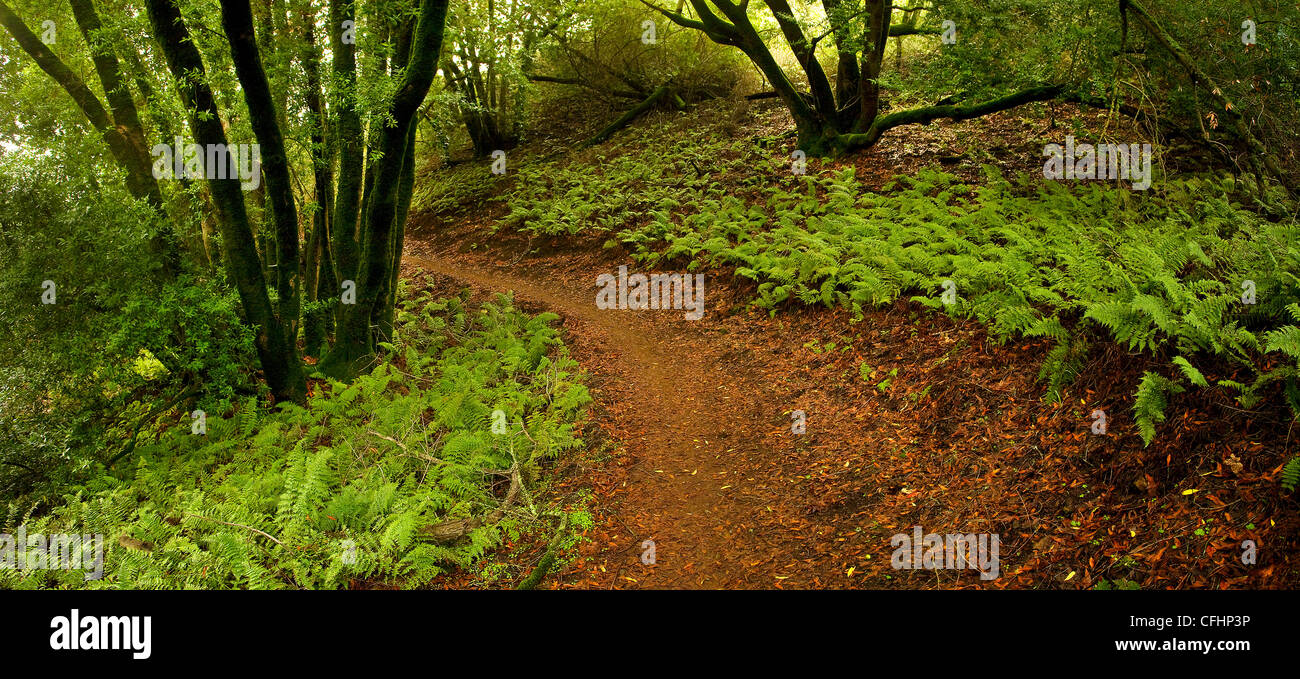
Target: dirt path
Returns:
[[678, 410]]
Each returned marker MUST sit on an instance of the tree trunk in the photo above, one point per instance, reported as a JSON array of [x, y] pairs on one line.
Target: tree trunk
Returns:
[[124, 137], [847, 73], [873, 55], [283, 374], [405, 188], [485, 134], [805, 54], [355, 343], [347, 199], [821, 129], [319, 282], [237, 21]]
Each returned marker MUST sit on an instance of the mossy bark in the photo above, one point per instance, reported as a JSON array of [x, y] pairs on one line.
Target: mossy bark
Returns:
[[237, 22], [347, 197], [405, 188], [355, 343], [282, 371]]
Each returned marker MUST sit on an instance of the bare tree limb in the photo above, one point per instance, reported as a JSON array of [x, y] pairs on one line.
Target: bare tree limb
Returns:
[[236, 525]]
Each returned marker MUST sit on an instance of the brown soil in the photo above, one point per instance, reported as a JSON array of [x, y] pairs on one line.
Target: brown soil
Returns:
[[677, 403]]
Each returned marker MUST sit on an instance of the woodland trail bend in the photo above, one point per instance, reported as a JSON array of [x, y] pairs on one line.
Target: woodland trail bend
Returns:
[[692, 425]]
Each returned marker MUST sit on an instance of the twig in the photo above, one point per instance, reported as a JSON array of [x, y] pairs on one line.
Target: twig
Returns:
[[424, 456], [390, 439], [236, 525]]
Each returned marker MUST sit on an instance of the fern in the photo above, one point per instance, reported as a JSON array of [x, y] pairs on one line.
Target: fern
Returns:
[[1190, 372], [1062, 366], [1291, 474], [1150, 401], [247, 417], [310, 497]]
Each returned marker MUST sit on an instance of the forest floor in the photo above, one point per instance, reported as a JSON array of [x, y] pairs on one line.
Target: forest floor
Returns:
[[690, 443]]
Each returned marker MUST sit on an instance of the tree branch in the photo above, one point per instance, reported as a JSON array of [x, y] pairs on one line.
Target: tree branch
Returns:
[[452, 530], [898, 30], [55, 68], [926, 115], [236, 525], [1201, 78], [626, 94], [626, 118]]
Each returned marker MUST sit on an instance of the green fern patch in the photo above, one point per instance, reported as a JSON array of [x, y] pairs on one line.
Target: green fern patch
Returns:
[[1160, 274], [346, 488]]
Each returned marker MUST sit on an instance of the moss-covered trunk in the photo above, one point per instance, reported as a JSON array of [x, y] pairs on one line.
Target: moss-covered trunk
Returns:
[[237, 22], [354, 342], [283, 373], [347, 197]]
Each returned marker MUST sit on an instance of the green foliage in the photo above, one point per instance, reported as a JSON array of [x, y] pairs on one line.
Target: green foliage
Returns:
[[82, 377], [341, 490], [453, 190], [672, 169], [1063, 364], [614, 58], [1291, 474], [1150, 401], [194, 331]]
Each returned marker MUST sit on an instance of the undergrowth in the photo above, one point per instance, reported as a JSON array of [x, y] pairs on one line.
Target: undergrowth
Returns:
[[611, 191], [1187, 275], [1182, 273], [349, 488]]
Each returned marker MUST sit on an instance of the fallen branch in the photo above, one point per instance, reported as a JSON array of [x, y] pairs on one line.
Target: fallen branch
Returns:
[[423, 456], [928, 114], [390, 439], [236, 525], [637, 111], [131, 543], [452, 530]]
